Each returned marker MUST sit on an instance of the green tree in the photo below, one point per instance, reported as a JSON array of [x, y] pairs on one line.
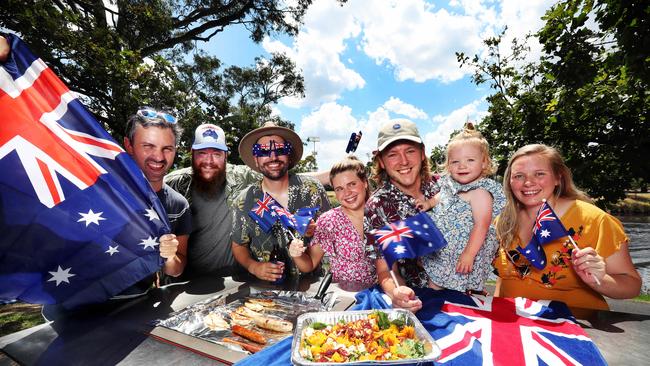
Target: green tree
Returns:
[[587, 95], [147, 52], [308, 164], [437, 157]]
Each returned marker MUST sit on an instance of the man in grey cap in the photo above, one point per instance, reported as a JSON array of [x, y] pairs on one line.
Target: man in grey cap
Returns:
[[402, 172], [272, 150], [210, 185]]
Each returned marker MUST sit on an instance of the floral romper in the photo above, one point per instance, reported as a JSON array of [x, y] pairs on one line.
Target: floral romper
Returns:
[[453, 216]]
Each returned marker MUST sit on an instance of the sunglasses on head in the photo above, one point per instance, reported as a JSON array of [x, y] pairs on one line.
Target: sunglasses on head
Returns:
[[522, 269], [262, 150], [150, 113]]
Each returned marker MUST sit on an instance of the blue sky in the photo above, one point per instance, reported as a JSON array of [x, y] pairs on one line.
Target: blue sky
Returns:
[[371, 61]]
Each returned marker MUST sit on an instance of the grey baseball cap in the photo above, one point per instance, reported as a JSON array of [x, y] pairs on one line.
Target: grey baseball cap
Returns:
[[397, 129]]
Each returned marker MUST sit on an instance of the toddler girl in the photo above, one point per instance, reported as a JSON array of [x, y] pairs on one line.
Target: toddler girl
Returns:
[[464, 210]]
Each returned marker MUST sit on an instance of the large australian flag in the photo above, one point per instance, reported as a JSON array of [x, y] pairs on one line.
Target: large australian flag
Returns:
[[486, 330], [79, 221]]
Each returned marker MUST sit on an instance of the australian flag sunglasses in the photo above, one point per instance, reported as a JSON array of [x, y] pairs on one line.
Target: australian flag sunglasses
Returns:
[[260, 150]]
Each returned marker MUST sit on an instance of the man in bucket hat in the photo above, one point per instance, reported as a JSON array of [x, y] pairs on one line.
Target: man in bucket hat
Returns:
[[403, 174], [271, 150]]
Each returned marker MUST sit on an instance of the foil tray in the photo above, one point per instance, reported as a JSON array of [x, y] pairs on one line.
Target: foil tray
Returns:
[[190, 321], [431, 348]]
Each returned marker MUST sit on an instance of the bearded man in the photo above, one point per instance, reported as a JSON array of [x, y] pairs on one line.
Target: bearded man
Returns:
[[272, 150], [210, 185]]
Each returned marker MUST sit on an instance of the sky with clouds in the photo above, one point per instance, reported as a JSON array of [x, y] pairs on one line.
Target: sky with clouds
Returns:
[[370, 61]]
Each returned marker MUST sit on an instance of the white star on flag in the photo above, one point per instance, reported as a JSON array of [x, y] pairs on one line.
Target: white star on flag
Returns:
[[61, 275], [91, 217], [149, 243], [400, 249], [545, 233], [112, 250], [151, 214]]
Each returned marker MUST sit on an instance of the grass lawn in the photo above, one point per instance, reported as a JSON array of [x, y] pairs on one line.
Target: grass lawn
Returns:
[[19, 316]]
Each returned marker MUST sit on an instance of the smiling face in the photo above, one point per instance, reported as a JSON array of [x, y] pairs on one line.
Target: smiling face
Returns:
[[153, 149], [209, 166], [466, 162], [350, 190], [274, 167], [402, 161], [532, 179]]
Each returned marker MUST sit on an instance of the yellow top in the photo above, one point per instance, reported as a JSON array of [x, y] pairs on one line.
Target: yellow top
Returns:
[[557, 281]]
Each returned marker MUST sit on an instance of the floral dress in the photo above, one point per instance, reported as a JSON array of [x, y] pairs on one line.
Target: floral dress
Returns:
[[345, 248], [453, 216]]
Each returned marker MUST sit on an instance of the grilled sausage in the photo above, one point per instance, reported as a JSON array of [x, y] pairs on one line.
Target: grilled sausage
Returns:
[[250, 347], [249, 334]]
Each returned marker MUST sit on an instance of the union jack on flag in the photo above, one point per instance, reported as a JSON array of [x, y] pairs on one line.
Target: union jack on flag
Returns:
[[80, 222], [263, 212], [413, 237], [504, 331], [548, 226]]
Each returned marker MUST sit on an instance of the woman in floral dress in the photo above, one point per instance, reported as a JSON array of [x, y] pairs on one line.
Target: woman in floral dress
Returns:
[[339, 231]]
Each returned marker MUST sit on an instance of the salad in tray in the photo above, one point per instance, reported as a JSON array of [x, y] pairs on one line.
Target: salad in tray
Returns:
[[371, 338]]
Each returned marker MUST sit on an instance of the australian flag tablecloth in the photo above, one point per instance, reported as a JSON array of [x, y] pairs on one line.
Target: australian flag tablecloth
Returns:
[[482, 330]]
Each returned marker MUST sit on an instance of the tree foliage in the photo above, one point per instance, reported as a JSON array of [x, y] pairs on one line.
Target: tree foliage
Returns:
[[308, 164], [148, 52], [587, 95]]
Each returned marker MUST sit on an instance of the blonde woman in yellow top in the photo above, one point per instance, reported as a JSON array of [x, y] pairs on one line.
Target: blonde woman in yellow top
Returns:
[[580, 278]]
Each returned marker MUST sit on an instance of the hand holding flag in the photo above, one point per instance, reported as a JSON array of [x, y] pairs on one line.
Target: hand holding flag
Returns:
[[547, 228]]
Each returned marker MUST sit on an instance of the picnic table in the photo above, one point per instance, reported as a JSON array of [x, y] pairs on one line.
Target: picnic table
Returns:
[[118, 333]]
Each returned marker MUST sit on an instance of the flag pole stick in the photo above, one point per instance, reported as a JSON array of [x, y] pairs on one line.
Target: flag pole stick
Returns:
[[392, 275], [575, 246]]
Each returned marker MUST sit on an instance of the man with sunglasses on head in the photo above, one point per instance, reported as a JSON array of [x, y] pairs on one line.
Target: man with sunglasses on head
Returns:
[[150, 139], [272, 150]]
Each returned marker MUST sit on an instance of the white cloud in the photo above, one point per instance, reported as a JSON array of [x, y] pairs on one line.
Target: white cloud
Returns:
[[414, 38], [419, 41], [396, 105], [523, 17], [333, 123], [316, 51], [445, 125]]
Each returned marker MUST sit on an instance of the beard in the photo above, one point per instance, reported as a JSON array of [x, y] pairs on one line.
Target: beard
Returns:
[[211, 186], [274, 175]]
